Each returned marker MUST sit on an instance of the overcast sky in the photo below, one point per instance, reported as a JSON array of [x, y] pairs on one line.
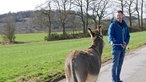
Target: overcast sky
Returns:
[[18, 5]]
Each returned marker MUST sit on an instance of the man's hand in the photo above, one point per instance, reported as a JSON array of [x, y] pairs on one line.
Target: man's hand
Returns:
[[124, 44], [112, 43]]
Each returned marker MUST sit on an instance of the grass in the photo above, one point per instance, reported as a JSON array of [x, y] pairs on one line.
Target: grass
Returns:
[[34, 37], [40, 60], [30, 37]]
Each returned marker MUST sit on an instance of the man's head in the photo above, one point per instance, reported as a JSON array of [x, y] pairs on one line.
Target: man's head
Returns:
[[119, 15]]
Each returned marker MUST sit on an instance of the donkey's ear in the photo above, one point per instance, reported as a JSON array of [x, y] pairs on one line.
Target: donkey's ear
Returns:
[[90, 32], [100, 29]]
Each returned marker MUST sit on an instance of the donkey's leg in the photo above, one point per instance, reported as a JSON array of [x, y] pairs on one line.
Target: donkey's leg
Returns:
[[81, 68], [68, 72], [92, 78], [67, 75], [81, 76]]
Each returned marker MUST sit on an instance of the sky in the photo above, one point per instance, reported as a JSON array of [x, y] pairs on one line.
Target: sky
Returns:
[[18, 5]]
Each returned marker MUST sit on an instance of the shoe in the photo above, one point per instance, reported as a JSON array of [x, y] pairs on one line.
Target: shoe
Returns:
[[120, 81]]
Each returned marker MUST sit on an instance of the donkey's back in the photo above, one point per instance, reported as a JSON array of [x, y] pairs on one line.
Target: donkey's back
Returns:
[[82, 66]]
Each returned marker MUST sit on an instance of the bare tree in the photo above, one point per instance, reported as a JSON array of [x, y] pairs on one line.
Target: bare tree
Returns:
[[87, 15], [138, 14], [122, 4], [119, 3], [9, 29], [131, 9], [48, 14], [99, 11], [64, 8], [79, 3], [39, 19], [142, 1], [84, 12], [74, 22], [43, 17]]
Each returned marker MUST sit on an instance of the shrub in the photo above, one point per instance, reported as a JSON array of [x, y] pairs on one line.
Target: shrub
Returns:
[[134, 29], [55, 36]]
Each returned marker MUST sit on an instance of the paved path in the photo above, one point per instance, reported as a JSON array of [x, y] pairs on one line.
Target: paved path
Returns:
[[134, 67]]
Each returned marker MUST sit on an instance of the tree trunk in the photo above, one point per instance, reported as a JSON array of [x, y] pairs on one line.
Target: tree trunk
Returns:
[[99, 20], [142, 15], [122, 5], [95, 21], [87, 9], [138, 16], [63, 25], [130, 18], [138, 20], [50, 27], [83, 21]]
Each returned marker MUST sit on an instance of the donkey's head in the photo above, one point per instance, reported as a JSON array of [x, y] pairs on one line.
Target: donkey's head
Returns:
[[97, 38]]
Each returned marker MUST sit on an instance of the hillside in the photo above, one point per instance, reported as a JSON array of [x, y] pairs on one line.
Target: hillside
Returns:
[[24, 23], [29, 22], [32, 22]]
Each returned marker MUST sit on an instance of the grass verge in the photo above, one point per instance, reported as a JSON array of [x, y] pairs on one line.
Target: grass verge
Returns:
[[42, 61]]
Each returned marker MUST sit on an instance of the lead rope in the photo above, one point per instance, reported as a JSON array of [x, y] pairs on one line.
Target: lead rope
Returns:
[[120, 45]]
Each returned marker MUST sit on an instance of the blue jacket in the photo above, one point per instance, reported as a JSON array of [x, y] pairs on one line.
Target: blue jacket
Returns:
[[118, 35]]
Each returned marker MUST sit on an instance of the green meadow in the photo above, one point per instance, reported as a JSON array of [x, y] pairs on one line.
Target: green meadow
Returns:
[[37, 60]]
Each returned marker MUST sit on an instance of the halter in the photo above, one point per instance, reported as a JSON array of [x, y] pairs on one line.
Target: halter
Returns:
[[102, 40]]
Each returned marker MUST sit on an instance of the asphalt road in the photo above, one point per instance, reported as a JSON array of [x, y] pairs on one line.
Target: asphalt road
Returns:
[[134, 67]]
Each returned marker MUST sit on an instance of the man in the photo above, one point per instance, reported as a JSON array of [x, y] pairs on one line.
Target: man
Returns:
[[119, 38]]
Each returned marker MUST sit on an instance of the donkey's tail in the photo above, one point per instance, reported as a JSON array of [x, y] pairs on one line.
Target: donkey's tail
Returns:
[[73, 71]]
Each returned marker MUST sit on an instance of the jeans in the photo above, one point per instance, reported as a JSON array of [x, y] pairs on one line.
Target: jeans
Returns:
[[117, 57]]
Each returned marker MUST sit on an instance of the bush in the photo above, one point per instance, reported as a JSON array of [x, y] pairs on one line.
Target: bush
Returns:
[[7, 39], [55, 36], [134, 29], [51, 37]]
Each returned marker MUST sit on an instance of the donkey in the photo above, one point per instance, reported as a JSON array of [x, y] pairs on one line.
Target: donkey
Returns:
[[84, 65]]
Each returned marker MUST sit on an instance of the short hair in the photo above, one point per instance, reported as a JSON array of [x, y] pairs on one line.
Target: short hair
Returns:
[[119, 11]]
